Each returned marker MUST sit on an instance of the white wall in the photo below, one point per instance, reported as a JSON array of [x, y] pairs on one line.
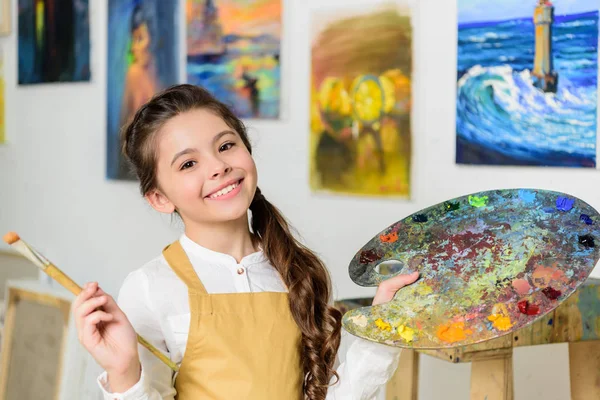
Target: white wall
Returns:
[[53, 190]]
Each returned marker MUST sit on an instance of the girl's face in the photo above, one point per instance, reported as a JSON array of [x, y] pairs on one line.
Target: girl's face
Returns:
[[204, 170], [140, 43]]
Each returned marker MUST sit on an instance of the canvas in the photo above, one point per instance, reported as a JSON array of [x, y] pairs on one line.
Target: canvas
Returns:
[[233, 50], [360, 105], [489, 263], [143, 58], [54, 41], [527, 82]]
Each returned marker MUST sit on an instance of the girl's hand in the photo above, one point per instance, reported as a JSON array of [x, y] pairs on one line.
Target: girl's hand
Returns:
[[388, 288], [106, 333]]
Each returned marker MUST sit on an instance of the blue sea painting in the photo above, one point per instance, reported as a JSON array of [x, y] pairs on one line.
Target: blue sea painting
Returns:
[[233, 50], [527, 82]]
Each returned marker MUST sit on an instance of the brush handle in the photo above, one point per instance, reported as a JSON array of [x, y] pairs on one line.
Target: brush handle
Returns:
[[60, 277], [63, 279]]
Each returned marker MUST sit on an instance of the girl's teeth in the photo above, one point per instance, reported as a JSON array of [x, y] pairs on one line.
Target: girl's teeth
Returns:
[[224, 191]]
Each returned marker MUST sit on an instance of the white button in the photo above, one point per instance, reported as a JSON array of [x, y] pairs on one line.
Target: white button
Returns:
[[240, 271]]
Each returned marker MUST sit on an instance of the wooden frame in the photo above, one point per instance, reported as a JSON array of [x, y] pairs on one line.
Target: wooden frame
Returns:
[[14, 341], [5, 17]]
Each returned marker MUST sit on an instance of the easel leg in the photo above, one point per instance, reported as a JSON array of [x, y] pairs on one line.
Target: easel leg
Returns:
[[492, 379], [584, 366], [405, 382]]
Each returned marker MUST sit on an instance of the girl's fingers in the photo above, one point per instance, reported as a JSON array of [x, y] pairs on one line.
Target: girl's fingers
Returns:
[[89, 306], [88, 291], [90, 323]]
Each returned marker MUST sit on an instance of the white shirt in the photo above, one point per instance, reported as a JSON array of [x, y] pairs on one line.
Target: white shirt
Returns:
[[156, 302]]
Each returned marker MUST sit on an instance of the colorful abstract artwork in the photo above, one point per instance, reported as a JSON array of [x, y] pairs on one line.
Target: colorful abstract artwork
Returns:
[[54, 41], [143, 58], [490, 263], [233, 50], [360, 107], [527, 82]]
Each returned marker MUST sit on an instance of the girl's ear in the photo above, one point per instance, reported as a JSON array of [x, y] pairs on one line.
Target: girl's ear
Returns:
[[159, 201]]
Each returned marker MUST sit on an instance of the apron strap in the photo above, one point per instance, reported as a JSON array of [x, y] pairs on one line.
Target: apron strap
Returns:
[[180, 263]]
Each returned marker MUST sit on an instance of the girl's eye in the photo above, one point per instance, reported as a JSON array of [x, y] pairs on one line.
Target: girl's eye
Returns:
[[188, 164], [226, 146]]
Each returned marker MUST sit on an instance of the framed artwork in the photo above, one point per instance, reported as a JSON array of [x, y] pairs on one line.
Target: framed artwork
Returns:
[[143, 59], [35, 335], [53, 41], [233, 50], [360, 107], [527, 78]]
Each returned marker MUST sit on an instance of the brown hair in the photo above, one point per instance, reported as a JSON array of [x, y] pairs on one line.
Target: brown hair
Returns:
[[302, 271]]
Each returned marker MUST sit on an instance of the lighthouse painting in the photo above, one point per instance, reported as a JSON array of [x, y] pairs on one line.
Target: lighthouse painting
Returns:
[[233, 50], [527, 82]]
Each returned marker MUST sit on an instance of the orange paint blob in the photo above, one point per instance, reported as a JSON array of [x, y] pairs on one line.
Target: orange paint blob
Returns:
[[391, 238], [500, 322], [453, 332], [521, 286], [542, 276]]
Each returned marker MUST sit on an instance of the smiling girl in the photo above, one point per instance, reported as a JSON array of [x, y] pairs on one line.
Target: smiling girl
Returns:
[[242, 307]]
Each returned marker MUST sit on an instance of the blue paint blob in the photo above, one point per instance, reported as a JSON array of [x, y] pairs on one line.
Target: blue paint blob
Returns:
[[527, 196], [564, 203], [586, 218]]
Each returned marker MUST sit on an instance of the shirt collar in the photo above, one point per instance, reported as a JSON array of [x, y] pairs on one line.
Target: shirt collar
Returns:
[[212, 256]]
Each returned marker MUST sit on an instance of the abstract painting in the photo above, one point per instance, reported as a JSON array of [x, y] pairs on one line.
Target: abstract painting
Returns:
[[527, 82], [54, 41], [490, 263], [143, 58], [233, 50], [360, 106]]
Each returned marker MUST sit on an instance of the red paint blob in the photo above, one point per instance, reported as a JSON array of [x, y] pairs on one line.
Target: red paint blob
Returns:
[[369, 256], [551, 293], [528, 309]]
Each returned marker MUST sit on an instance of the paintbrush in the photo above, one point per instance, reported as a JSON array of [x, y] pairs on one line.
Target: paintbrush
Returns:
[[52, 270]]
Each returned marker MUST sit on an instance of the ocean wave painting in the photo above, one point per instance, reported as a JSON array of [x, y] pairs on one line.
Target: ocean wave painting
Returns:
[[527, 83]]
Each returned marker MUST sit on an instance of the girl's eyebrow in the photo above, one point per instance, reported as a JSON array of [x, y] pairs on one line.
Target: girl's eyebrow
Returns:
[[221, 134], [192, 150], [182, 152]]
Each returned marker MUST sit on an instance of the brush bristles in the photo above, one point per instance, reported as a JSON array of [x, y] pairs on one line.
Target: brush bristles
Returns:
[[22, 248]]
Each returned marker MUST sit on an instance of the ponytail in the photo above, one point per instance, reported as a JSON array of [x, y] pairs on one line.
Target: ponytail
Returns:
[[309, 288]]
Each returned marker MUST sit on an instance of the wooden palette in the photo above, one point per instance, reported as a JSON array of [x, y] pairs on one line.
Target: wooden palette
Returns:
[[490, 263]]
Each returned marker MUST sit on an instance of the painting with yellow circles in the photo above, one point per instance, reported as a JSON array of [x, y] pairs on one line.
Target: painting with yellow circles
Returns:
[[360, 126]]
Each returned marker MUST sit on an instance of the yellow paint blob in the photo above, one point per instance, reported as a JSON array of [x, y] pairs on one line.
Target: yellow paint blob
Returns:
[[406, 333], [384, 326], [500, 322], [424, 289], [453, 332]]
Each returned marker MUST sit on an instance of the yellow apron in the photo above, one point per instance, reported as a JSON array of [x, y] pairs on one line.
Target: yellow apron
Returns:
[[240, 345]]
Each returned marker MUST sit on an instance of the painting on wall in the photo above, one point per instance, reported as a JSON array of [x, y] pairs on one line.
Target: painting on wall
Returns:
[[53, 41], [233, 50], [526, 83], [143, 58], [360, 133]]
